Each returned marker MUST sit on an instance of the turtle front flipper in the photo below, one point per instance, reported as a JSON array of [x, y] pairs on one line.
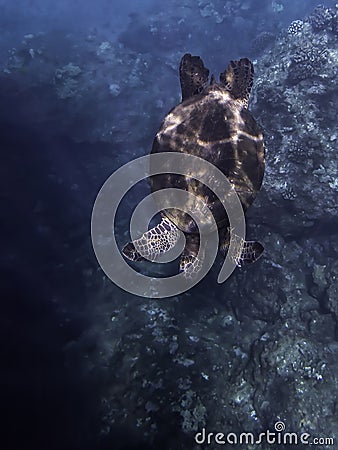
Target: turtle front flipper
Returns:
[[154, 242], [193, 75], [238, 79]]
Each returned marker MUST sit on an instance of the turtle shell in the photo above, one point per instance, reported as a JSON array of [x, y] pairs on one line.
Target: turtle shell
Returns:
[[213, 126]]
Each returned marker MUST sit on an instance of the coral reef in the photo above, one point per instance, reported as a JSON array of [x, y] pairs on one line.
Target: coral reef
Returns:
[[324, 19], [295, 27], [307, 61]]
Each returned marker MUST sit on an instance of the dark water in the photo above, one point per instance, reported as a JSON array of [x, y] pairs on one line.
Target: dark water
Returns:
[[85, 365]]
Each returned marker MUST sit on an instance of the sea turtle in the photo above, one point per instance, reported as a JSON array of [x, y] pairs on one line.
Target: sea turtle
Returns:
[[213, 123]]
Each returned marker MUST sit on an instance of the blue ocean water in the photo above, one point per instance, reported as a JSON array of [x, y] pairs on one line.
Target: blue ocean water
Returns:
[[87, 365]]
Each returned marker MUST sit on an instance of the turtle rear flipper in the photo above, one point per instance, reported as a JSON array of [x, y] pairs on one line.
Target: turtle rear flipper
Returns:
[[251, 251], [130, 252], [238, 79], [190, 264], [152, 243], [242, 252], [193, 75]]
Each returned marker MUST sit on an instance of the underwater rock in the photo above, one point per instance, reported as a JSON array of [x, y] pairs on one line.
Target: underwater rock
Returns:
[[262, 41], [297, 381], [294, 100], [67, 84]]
